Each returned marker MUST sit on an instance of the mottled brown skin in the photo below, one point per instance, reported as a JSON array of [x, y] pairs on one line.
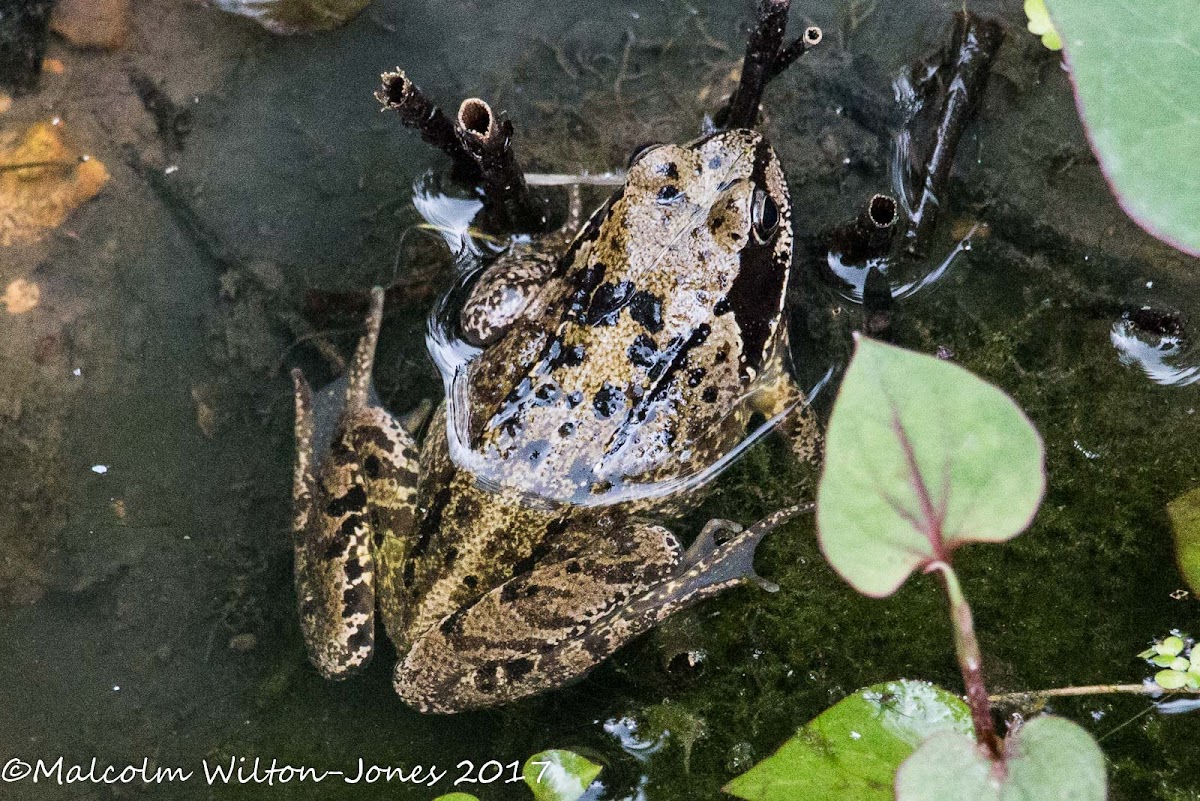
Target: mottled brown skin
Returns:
[[519, 550]]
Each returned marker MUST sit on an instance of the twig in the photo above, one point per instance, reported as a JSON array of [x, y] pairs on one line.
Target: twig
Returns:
[[33, 165], [766, 57], [1093, 689], [172, 122], [487, 138], [973, 46], [810, 38], [415, 110], [624, 66], [615, 178], [707, 38], [560, 57]]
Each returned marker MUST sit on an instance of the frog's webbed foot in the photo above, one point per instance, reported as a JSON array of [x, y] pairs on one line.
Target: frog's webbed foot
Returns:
[[712, 567], [350, 503]]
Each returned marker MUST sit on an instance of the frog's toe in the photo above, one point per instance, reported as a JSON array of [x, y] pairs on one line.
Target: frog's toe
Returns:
[[706, 540]]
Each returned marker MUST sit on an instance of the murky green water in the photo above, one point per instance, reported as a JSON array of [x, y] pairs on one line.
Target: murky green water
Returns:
[[178, 302]]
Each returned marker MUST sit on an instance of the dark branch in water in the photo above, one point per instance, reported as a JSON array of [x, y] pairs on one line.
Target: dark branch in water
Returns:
[[878, 305], [24, 26], [487, 138], [173, 122], [869, 236], [967, 62], [405, 98], [766, 57]]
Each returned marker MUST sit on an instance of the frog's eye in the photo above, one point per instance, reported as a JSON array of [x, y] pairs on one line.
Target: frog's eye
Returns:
[[764, 216], [642, 150]]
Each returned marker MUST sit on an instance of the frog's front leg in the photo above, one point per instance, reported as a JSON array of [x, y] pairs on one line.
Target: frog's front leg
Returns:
[[551, 625], [353, 508], [517, 283], [779, 397]]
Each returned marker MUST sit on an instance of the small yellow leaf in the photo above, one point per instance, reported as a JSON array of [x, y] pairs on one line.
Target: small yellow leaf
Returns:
[[20, 296]]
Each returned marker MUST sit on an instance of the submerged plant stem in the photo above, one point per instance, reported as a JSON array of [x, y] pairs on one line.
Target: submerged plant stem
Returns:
[[973, 47], [970, 660], [1091, 689]]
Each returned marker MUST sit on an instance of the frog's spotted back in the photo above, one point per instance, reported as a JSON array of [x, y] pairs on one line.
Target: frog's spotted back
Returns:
[[656, 329]]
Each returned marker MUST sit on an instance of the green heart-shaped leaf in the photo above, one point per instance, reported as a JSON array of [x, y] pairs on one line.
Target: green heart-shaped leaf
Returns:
[[921, 457], [850, 751], [1134, 66], [1184, 512], [1048, 759]]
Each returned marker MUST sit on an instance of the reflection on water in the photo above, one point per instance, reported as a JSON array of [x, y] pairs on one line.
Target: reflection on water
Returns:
[[1161, 358], [854, 276]]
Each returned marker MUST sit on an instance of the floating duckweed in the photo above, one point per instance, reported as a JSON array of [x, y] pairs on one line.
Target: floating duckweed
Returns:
[[1179, 657], [1170, 679], [1040, 23], [1171, 646]]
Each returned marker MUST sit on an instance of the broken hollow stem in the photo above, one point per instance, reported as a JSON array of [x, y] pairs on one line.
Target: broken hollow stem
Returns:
[[479, 142], [766, 57], [869, 235], [970, 660], [417, 111], [487, 138]]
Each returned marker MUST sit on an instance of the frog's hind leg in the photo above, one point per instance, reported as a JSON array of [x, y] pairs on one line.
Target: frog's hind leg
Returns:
[[360, 495], [510, 642], [334, 575], [547, 627]]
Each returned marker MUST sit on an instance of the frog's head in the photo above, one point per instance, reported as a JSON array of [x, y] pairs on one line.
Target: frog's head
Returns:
[[716, 213]]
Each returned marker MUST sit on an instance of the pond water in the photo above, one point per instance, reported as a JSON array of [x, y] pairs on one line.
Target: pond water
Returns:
[[146, 603]]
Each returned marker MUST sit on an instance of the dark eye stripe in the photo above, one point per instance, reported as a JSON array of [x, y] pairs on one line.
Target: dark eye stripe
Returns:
[[756, 292]]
